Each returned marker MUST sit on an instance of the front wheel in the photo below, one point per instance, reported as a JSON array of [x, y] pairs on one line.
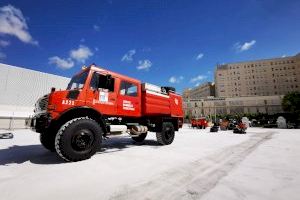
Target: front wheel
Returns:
[[78, 139], [167, 135]]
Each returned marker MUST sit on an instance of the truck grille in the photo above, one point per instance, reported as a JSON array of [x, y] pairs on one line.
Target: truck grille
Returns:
[[41, 104]]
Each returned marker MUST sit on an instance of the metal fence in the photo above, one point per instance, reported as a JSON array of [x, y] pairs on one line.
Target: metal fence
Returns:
[[11, 123]]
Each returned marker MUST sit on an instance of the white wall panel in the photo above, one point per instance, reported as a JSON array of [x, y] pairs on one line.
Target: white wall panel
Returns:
[[22, 87]]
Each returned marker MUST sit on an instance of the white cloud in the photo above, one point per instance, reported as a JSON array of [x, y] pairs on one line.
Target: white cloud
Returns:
[[244, 47], [96, 27], [4, 43], [2, 56], [199, 56], [61, 63], [81, 54], [198, 78], [174, 79], [144, 65], [129, 55], [12, 22]]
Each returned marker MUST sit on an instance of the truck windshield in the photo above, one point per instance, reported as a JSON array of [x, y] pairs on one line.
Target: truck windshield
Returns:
[[77, 82]]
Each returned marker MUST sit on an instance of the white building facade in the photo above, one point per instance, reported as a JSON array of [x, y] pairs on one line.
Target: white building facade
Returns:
[[19, 90]]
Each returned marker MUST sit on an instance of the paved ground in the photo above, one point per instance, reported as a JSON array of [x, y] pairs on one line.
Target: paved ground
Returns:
[[263, 164]]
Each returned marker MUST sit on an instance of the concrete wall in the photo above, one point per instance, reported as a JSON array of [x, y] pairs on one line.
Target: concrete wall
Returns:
[[19, 90]]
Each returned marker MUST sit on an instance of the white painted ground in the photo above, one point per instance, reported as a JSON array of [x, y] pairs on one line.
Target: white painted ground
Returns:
[[263, 164]]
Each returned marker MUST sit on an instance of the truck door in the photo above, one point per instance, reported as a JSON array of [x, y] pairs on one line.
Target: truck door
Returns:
[[101, 94], [129, 99]]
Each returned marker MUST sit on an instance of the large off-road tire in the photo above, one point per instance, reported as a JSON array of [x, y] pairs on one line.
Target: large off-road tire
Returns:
[[140, 138], [167, 135], [78, 139], [48, 141]]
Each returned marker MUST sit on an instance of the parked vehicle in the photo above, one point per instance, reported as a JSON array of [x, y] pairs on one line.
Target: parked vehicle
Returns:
[[214, 128], [224, 124], [240, 128], [72, 122], [199, 123]]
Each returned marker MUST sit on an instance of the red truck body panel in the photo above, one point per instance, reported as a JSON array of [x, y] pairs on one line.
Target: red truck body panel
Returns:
[[153, 104], [161, 104]]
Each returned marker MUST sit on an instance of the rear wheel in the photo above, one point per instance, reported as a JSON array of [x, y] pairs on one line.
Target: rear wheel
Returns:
[[78, 139], [167, 135], [48, 141], [140, 138]]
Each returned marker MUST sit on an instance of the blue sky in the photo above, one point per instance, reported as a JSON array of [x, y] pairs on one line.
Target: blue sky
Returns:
[[165, 42]]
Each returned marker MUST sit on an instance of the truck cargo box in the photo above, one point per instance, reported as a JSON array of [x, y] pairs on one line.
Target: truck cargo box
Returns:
[[156, 102]]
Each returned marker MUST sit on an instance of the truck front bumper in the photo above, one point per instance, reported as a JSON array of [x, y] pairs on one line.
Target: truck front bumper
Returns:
[[39, 122]]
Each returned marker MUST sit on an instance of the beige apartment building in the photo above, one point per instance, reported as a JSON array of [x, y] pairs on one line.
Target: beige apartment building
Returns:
[[201, 91], [268, 77]]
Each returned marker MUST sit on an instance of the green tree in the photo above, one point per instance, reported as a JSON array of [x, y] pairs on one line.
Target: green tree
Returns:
[[291, 102]]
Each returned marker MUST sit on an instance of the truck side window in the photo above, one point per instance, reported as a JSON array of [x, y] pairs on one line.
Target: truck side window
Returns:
[[128, 89], [100, 81]]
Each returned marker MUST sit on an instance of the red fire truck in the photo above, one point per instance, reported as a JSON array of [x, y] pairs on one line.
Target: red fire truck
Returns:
[[73, 122]]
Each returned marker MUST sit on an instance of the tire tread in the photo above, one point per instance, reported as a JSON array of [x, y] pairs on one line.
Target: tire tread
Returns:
[[59, 134]]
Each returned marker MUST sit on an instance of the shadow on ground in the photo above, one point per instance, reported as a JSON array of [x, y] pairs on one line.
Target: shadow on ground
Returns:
[[37, 154]]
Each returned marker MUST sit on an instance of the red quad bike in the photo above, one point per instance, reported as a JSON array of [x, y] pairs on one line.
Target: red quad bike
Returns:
[[240, 128]]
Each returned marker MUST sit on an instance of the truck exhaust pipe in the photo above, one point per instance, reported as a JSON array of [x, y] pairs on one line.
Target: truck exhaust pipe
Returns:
[[137, 130]]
